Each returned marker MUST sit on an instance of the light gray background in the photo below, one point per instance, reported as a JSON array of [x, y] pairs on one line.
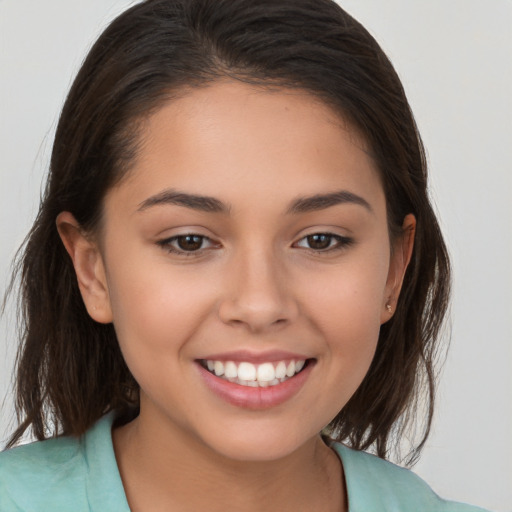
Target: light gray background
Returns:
[[455, 60]]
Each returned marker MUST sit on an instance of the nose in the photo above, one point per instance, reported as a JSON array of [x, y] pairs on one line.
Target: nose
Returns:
[[258, 295]]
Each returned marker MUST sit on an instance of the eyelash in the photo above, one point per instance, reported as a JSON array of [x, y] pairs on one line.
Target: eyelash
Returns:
[[167, 244], [341, 242]]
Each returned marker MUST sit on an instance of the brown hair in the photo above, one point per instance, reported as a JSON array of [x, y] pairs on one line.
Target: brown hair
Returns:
[[70, 370]]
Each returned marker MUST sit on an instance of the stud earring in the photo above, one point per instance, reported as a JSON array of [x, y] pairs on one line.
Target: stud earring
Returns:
[[389, 308]]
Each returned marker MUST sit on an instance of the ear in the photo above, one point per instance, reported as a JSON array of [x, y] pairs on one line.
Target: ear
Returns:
[[89, 267], [400, 258]]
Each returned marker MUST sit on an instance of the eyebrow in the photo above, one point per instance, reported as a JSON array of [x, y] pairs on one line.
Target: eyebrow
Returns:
[[195, 202], [212, 205], [323, 201]]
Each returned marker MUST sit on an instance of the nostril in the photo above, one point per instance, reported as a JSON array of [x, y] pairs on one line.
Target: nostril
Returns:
[[256, 315]]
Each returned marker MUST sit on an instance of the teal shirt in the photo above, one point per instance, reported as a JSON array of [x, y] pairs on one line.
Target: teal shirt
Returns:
[[81, 475]]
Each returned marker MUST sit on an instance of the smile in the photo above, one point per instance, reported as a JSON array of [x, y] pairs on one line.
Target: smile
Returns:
[[263, 375]]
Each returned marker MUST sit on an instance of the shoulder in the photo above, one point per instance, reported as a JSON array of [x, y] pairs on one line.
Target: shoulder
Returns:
[[376, 484], [42, 474], [29, 473], [61, 474]]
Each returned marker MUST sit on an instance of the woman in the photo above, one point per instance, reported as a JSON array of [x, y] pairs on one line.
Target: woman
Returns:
[[292, 151]]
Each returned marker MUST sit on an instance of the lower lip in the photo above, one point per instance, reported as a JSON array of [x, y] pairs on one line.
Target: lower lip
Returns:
[[256, 398]]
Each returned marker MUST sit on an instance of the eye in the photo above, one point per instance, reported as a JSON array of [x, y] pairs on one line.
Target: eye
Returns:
[[188, 243], [324, 242]]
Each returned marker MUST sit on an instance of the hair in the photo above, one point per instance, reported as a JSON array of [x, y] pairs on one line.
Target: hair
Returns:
[[70, 370]]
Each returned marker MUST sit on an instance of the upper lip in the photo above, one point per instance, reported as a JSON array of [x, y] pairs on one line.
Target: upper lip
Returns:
[[255, 357]]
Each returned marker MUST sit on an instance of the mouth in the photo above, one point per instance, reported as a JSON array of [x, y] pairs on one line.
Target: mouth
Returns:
[[263, 375]]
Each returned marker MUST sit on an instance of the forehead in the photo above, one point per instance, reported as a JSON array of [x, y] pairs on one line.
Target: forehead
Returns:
[[232, 140]]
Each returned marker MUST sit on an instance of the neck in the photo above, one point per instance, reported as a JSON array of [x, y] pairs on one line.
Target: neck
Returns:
[[163, 469]]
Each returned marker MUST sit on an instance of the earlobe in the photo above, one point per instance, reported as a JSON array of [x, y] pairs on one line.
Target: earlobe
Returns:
[[89, 267], [400, 258]]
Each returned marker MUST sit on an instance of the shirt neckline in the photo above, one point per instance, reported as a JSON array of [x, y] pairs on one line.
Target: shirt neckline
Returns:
[[105, 490], [104, 487]]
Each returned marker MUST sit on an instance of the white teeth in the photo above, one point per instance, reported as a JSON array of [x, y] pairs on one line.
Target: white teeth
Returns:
[[230, 370], [266, 372], [248, 374], [246, 371], [218, 368], [281, 370]]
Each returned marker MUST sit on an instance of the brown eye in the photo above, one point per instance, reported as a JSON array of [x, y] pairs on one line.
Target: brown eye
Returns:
[[187, 245], [324, 242], [189, 242], [319, 241]]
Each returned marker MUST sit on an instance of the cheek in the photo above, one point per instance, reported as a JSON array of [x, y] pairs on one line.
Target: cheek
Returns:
[[347, 316], [156, 306], [345, 305], [349, 297]]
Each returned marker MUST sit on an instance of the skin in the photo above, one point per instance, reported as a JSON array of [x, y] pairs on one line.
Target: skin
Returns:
[[254, 284]]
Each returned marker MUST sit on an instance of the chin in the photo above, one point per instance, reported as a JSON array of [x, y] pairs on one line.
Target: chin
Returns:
[[259, 444]]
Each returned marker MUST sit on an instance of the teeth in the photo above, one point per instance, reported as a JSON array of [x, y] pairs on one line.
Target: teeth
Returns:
[[230, 370], [266, 372], [246, 371], [281, 370], [218, 368], [248, 374]]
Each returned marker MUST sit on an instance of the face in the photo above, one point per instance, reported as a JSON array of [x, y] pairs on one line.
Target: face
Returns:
[[246, 265]]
